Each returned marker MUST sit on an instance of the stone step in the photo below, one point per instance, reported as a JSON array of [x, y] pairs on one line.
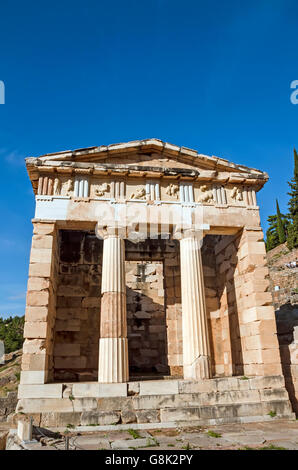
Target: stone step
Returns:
[[223, 400]]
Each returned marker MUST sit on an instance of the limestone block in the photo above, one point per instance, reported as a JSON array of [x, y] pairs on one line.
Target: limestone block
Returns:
[[154, 402], [91, 302], [43, 405], [95, 389], [128, 417], [263, 341], [248, 409], [41, 255], [254, 286], [252, 314], [258, 327], [34, 362], [35, 329], [68, 325], [65, 349], [158, 387], [282, 408], [70, 362], [148, 416], [66, 313], [180, 414], [271, 369], [100, 417], [40, 391], [256, 299], [38, 298], [227, 383], [43, 228], [251, 261], [38, 283], [34, 346], [40, 269], [257, 248], [275, 394], [58, 419], [32, 377], [293, 348], [199, 386], [42, 241], [72, 291], [36, 314], [271, 356], [253, 356]]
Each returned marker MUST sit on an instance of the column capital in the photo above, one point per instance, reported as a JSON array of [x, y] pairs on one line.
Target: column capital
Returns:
[[104, 231], [197, 232]]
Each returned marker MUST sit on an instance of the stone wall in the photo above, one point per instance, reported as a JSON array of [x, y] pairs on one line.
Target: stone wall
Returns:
[[78, 306], [203, 402], [146, 319], [157, 297], [243, 324], [37, 359], [287, 330]]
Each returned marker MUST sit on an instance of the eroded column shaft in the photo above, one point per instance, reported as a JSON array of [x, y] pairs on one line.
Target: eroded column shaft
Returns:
[[113, 349], [196, 349]]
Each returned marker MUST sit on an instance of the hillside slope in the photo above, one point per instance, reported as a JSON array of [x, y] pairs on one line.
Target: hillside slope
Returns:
[[283, 280]]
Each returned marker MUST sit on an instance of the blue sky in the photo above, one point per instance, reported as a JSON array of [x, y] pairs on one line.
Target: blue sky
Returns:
[[214, 76]]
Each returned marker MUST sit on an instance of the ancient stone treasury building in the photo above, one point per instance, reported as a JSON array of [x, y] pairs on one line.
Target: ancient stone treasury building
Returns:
[[148, 291]]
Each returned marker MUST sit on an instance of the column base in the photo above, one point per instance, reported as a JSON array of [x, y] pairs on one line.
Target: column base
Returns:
[[113, 360], [199, 369]]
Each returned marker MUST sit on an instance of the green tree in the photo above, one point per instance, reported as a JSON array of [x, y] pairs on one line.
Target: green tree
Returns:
[[11, 332], [280, 225], [293, 207], [273, 235]]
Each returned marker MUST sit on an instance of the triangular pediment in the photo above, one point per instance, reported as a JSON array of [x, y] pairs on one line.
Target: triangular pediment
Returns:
[[149, 158]]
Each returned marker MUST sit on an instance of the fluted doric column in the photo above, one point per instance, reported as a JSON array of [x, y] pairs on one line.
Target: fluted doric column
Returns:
[[113, 349], [196, 348]]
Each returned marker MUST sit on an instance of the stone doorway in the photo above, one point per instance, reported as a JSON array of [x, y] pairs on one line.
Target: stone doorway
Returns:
[[146, 318]]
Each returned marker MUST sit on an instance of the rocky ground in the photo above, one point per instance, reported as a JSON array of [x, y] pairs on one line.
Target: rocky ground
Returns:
[[9, 380], [10, 373]]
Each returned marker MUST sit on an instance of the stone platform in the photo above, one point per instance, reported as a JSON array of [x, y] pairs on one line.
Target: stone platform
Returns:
[[204, 402]]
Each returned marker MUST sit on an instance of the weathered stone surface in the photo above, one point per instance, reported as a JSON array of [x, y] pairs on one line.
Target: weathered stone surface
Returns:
[[148, 416], [99, 390], [128, 417], [40, 391], [159, 387], [99, 417]]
